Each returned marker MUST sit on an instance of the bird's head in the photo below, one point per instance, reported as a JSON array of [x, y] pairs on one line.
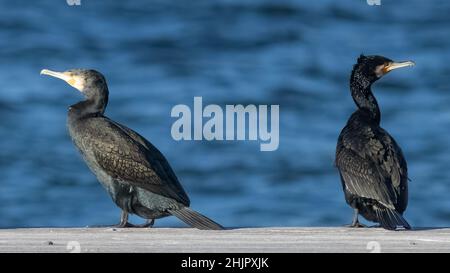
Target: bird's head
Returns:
[[374, 67], [89, 82]]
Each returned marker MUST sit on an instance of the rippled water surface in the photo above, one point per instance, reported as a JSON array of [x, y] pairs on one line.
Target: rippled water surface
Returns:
[[157, 54]]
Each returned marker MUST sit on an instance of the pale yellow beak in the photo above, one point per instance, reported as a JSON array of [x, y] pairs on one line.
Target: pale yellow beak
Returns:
[[65, 76], [395, 65], [60, 75]]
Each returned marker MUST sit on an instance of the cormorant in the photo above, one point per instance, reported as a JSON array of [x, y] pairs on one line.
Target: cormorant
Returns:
[[132, 170], [372, 167]]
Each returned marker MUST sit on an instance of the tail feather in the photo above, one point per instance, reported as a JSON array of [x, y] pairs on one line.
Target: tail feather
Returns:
[[195, 219], [391, 219]]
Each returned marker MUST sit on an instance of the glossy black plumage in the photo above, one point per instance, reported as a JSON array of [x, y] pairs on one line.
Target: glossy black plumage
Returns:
[[134, 172], [372, 167]]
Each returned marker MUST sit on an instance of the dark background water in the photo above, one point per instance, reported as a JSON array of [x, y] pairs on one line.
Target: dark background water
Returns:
[[157, 54]]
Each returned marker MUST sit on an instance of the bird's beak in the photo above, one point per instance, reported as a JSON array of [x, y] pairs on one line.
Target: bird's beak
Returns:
[[394, 65], [65, 76], [60, 75]]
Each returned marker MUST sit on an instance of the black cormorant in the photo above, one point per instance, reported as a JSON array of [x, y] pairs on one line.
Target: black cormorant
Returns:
[[132, 170], [373, 170]]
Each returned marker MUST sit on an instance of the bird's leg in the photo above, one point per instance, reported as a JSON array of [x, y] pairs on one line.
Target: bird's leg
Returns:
[[355, 223], [148, 224], [124, 220]]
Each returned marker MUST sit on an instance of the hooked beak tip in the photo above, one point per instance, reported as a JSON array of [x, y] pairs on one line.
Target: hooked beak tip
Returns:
[[50, 73]]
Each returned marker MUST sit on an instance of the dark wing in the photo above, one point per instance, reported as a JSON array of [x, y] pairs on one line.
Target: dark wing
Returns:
[[161, 165], [128, 157], [372, 165]]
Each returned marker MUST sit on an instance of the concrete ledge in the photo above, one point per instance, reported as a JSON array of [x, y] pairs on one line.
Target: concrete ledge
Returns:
[[235, 240]]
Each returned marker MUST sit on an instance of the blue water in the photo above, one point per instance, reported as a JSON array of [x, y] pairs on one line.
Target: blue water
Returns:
[[157, 54]]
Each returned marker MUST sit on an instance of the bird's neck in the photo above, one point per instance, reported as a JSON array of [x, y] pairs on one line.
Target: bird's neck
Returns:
[[93, 105], [362, 95]]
